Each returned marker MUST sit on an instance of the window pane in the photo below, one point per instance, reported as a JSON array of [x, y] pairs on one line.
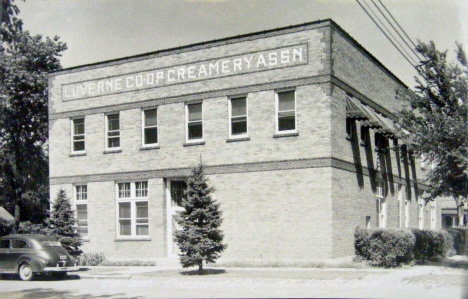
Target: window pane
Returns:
[[286, 123], [113, 122], [5, 244], [83, 231], [113, 142], [238, 107], [141, 189], [142, 230], [178, 192], [79, 126], [124, 190], [78, 146], [82, 214], [125, 227], [239, 126], [151, 135], [19, 244], [286, 101], [151, 117], [124, 210], [195, 131], [142, 209], [195, 112]]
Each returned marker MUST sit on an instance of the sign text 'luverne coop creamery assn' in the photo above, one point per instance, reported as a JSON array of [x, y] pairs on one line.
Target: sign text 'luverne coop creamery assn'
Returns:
[[235, 65]]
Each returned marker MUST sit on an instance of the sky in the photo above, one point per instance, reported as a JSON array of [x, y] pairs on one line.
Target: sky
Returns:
[[99, 30]]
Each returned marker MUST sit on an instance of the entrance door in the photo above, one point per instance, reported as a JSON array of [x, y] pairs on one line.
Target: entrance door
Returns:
[[176, 193]]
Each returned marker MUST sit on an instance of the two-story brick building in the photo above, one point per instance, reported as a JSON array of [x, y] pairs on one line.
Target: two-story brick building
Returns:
[[294, 125]]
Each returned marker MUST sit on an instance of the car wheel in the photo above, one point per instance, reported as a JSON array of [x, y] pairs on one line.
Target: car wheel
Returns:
[[25, 272]]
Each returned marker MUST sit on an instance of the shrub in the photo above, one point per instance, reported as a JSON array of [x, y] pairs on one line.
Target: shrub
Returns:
[[428, 244], [31, 228], [449, 249], [385, 247], [5, 227], [460, 240], [91, 259]]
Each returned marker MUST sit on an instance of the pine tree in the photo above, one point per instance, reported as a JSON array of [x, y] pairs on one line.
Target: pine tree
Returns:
[[63, 225], [200, 239]]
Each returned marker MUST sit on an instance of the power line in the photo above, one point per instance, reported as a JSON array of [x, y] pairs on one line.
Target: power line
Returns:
[[388, 21], [386, 35], [390, 33]]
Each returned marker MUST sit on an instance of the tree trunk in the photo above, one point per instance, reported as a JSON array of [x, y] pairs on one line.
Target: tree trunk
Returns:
[[200, 267], [18, 195]]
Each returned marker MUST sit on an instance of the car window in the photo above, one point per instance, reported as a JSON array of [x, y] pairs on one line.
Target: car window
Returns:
[[4, 244], [20, 244], [51, 243]]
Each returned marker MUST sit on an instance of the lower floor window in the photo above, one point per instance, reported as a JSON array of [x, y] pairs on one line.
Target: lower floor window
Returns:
[[133, 218], [82, 217]]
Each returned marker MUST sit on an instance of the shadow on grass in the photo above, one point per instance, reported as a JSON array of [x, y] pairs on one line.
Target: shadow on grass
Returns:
[[52, 293], [43, 277], [204, 272], [461, 264]]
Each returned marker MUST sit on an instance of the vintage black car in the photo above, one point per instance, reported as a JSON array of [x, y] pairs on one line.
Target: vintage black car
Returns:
[[27, 255]]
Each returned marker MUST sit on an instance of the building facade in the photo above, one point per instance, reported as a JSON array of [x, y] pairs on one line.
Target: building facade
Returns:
[[294, 126]]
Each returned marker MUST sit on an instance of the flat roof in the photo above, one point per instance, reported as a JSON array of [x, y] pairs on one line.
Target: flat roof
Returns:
[[228, 40]]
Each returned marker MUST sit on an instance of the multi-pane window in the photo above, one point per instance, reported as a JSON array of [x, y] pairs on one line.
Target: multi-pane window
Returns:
[[141, 189], [124, 190], [150, 127], [132, 209], [81, 204], [421, 213], [81, 192], [178, 193], [433, 216], [113, 131], [286, 111], [78, 138], [238, 117], [194, 122]]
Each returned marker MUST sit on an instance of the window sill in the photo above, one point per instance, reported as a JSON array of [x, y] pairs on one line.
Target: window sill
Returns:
[[147, 148], [194, 143], [112, 151], [77, 154], [238, 139], [132, 239], [281, 135], [85, 239]]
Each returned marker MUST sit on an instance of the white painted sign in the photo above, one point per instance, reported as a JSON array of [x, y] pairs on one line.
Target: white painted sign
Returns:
[[236, 65]]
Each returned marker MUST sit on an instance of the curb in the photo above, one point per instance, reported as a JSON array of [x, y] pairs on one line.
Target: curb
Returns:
[[105, 276]]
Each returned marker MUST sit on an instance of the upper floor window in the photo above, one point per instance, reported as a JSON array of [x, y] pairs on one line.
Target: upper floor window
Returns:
[[150, 127], [194, 122], [286, 111], [113, 131], [238, 117], [78, 135]]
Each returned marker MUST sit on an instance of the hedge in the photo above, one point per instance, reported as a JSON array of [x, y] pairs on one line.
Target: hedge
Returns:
[[394, 247], [460, 240]]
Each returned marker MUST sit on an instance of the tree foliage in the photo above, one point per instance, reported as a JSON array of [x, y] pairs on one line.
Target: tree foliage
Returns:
[[25, 61], [63, 225], [200, 239], [437, 121]]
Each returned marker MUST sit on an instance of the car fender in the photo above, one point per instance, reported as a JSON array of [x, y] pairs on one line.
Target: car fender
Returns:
[[36, 264]]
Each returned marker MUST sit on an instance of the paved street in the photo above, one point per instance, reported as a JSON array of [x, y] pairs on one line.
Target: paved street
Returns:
[[151, 282]]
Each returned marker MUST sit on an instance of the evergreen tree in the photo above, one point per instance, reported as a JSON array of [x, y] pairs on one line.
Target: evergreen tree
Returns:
[[200, 239], [437, 122], [63, 225]]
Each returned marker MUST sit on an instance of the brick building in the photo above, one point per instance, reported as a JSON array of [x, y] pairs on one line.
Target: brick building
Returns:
[[293, 124]]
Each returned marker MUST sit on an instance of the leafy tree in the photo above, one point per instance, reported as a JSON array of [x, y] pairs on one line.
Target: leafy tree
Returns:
[[63, 225], [25, 61], [200, 239], [437, 122]]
